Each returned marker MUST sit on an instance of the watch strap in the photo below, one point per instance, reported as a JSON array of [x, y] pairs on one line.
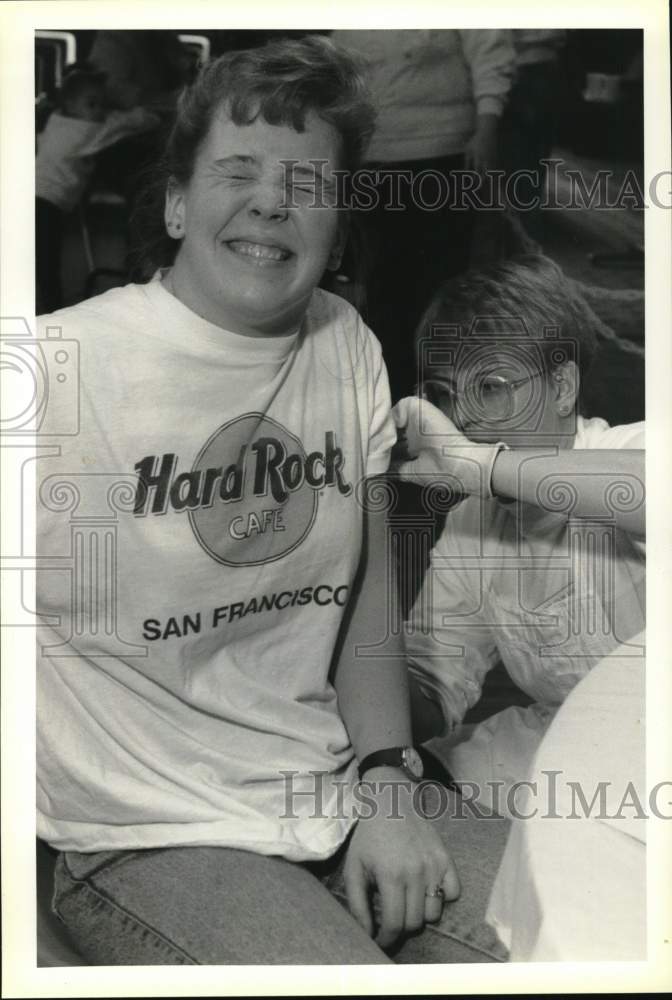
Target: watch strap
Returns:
[[390, 757]]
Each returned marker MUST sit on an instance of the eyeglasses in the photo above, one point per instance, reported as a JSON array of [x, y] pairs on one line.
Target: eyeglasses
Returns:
[[489, 398]]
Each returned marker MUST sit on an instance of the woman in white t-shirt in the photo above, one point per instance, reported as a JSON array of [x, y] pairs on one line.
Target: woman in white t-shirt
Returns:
[[543, 565], [214, 661]]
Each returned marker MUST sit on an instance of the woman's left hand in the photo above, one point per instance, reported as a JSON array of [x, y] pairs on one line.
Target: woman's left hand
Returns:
[[424, 434], [480, 152], [398, 854]]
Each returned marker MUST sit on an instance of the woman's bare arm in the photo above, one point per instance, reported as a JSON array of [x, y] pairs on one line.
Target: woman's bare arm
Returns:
[[584, 484]]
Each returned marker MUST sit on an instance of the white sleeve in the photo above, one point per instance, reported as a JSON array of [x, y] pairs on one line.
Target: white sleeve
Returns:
[[491, 58], [597, 434], [382, 429], [449, 646], [625, 436]]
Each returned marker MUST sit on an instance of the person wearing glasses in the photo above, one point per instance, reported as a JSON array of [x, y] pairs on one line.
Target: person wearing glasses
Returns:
[[541, 564]]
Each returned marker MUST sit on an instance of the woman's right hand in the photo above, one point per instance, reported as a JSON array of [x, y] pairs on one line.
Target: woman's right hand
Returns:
[[397, 854], [431, 448]]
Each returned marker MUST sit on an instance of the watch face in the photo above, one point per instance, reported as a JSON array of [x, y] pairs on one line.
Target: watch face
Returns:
[[413, 762]]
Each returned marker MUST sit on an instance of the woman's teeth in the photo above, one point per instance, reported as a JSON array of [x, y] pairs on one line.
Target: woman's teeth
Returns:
[[260, 251]]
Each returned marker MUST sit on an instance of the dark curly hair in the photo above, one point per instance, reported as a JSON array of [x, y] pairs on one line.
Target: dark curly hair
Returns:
[[281, 82]]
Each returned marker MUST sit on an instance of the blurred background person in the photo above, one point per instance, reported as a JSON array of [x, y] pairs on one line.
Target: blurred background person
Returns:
[[439, 95], [142, 68], [66, 158]]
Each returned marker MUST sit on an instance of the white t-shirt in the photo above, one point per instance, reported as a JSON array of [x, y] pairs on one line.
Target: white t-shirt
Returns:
[[512, 582], [200, 535]]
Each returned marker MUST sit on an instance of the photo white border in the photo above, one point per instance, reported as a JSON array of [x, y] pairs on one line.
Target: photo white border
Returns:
[[18, 22]]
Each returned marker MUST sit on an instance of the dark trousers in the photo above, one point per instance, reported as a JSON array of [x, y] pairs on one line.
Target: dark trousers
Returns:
[[409, 247], [48, 241], [528, 133]]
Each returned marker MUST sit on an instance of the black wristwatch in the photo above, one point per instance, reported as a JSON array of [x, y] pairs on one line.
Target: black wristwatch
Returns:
[[407, 758]]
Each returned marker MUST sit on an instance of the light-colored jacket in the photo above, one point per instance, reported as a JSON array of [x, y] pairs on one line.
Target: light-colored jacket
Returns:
[[429, 85]]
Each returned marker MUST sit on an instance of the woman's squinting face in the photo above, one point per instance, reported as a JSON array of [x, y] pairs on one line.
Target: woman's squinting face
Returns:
[[254, 246]]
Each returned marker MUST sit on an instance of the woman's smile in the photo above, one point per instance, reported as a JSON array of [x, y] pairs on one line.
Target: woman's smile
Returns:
[[259, 253], [249, 261]]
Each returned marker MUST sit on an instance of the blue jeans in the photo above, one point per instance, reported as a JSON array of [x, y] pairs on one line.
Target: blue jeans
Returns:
[[219, 906]]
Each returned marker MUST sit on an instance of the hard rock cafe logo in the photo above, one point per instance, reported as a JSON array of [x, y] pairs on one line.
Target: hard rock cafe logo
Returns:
[[252, 494]]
